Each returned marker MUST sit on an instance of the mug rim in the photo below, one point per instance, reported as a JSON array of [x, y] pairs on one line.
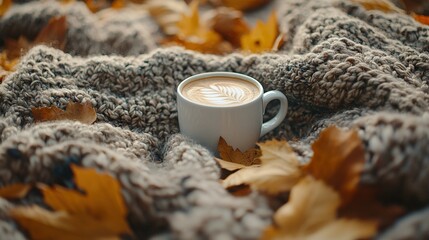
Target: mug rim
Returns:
[[220, 74]]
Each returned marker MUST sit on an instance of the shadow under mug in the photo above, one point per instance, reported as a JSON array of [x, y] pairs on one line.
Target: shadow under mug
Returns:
[[240, 125]]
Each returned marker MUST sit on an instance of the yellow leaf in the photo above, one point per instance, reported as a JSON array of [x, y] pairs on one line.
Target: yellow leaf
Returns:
[[14, 191], [311, 205], [230, 166], [338, 160], [194, 35], [273, 150], [227, 153], [4, 6], [381, 5], [167, 14], [244, 5], [262, 37], [421, 18], [279, 171], [311, 214], [82, 112], [229, 23], [97, 213], [271, 178]]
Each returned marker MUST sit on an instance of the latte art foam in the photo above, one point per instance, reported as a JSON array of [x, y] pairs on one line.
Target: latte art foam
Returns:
[[220, 91]]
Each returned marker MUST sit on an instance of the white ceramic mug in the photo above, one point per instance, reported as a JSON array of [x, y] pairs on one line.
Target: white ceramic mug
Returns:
[[241, 126]]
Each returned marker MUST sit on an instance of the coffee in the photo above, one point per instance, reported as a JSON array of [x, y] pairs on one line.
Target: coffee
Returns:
[[220, 91]]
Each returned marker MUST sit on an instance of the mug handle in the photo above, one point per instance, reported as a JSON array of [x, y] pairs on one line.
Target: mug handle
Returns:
[[276, 120]]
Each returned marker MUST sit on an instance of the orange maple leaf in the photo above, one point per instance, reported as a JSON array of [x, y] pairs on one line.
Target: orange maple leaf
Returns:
[[82, 112], [338, 160], [262, 37], [4, 6], [98, 213]]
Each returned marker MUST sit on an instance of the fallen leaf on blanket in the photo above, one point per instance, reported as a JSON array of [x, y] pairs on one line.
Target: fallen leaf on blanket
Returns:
[[96, 212], [262, 37], [381, 5], [279, 170], [6, 65], [365, 205], [15, 191], [196, 35], [338, 160], [54, 33], [81, 112], [4, 6], [167, 14], [311, 213], [230, 166], [244, 5], [229, 154], [229, 23], [421, 18]]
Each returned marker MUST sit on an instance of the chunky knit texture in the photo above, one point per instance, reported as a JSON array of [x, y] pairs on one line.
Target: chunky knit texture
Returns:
[[341, 65]]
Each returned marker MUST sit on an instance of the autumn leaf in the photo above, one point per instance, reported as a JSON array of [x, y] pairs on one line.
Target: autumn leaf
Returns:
[[279, 171], [311, 213], [227, 153], [229, 23], [6, 65], [81, 112], [54, 33], [167, 14], [4, 6], [244, 5], [262, 37], [230, 166], [98, 213], [14, 191], [381, 5], [365, 205], [198, 36], [421, 18], [338, 160]]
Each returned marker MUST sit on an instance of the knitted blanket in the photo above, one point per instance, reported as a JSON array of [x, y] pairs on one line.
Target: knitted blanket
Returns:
[[341, 65]]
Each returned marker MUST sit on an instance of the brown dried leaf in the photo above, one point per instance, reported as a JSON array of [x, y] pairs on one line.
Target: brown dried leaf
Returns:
[[99, 213], [167, 14], [229, 23], [54, 33], [244, 5], [311, 214], [381, 5], [338, 160], [262, 37], [81, 112], [365, 205], [15, 191], [4, 6], [227, 153]]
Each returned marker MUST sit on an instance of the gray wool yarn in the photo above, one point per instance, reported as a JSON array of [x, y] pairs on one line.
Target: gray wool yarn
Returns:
[[341, 65]]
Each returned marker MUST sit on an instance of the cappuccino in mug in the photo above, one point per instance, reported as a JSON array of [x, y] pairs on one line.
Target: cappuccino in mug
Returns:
[[227, 105], [220, 91]]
